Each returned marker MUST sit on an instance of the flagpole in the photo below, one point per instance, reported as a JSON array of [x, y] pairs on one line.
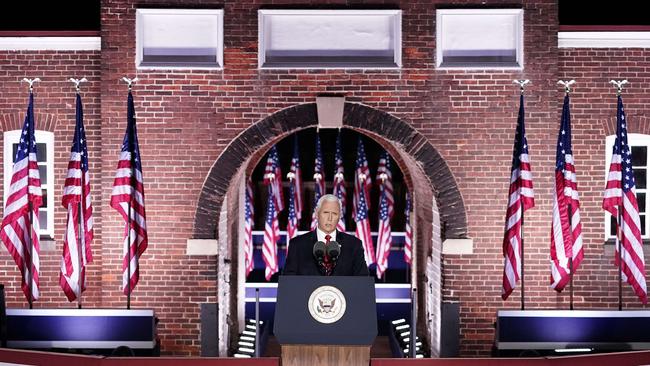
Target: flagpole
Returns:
[[30, 275], [620, 259], [128, 257], [570, 263], [30, 245], [523, 297], [80, 242]]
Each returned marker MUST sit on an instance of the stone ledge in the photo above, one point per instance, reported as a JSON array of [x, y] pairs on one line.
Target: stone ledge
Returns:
[[458, 246], [201, 247], [47, 245]]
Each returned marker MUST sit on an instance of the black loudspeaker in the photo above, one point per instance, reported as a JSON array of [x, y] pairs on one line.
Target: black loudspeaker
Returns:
[[209, 334], [450, 330]]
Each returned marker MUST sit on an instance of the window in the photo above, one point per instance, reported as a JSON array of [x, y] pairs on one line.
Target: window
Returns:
[[480, 38], [639, 145], [330, 38], [45, 147], [179, 38]]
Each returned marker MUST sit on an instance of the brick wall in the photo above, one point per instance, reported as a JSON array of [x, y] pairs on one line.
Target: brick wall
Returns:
[[187, 118]]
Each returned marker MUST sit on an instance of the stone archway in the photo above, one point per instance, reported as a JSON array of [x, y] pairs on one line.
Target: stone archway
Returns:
[[439, 211]]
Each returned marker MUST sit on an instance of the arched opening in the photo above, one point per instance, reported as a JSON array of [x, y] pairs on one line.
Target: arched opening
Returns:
[[438, 211]]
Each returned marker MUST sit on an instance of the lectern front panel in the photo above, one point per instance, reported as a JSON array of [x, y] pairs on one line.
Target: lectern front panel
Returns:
[[296, 324]]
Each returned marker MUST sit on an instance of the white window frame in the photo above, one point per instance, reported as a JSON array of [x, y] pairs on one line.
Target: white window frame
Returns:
[[266, 16], [633, 139], [139, 37], [42, 137], [517, 14]]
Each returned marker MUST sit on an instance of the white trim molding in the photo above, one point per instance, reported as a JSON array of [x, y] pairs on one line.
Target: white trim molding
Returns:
[[603, 39], [50, 44], [458, 246], [201, 247]]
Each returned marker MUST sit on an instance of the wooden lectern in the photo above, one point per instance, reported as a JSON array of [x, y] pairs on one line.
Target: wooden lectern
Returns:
[[325, 320]]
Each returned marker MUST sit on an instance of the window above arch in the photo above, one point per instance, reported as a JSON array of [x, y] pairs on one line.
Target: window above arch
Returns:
[[336, 38], [480, 38]]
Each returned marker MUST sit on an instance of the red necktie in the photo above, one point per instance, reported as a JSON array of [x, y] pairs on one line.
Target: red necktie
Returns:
[[327, 263]]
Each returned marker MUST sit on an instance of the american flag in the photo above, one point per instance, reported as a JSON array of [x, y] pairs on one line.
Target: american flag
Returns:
[[362, 184], [339, 183], [273, 178], [271, 236], [384, 234], [362, 180], [566, 235], [19, 231], [295, 195], [385, 181], [319, 181], [620, 201], [128, 199], [292, 218], [408, 232], [76, 192], [520, 199], [296, 179], [249, 213]]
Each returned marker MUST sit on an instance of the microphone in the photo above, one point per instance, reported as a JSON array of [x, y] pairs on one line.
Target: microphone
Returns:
[[319, 251], [333, 250]]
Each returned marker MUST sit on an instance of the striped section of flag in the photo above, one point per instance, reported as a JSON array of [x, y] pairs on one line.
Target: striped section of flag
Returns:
[[249, 214], [296, 178], [362, 184], [566, 232], [20, 227], [295, 194], [273, 178], [386, 208], [76, 192], [408, 231], [128, 199], [620, 201], [520, 199], [319, 182], [385, 180], [271, 236], [292, 219]]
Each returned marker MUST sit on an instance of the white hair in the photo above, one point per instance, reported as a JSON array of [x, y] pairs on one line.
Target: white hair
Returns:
[[329, 198]]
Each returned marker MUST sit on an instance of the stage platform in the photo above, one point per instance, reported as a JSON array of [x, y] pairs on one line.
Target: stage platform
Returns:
[[102, 331], [542, 332], [53, 359]]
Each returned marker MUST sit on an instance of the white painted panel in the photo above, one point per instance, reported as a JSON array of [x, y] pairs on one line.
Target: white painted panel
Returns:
[[329, 38]]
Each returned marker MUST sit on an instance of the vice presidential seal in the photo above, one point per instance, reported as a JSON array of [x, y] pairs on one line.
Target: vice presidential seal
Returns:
[[327, 304]]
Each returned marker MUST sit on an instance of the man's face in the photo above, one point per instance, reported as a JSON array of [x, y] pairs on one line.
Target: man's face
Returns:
[[328, 216]]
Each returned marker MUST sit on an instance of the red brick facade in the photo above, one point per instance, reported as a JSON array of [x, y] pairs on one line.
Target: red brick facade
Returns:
[[187, 119]]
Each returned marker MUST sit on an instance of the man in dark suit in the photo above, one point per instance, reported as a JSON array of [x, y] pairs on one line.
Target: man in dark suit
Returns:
[[301, 261]]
